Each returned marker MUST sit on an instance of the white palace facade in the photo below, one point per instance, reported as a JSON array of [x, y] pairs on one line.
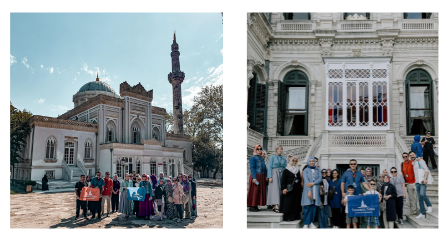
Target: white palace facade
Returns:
[[107, 132], [339, 86]]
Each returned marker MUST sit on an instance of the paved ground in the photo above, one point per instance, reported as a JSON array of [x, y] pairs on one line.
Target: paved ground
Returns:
[[57, 210]]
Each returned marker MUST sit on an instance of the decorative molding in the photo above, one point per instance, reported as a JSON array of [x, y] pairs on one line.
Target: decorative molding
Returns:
[[158, 111], [99, 99], [137, 108], [281, 70], [387, 45], [401, 87], [136, 91], [152, 141], [111, 114], [69, 137], [417, 44], [419, 63], [50, 160], [256, 24], [43, 121], [356, 52], [295, 45], [121, 146], [326, 45]]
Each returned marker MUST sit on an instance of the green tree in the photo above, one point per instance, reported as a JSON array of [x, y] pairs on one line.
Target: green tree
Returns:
[[19, 130]]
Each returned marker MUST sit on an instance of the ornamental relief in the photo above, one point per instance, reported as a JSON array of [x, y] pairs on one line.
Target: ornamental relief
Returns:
[[416, 44]]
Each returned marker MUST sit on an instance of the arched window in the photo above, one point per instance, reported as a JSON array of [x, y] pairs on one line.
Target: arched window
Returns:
[[293, 104], [297, 16], [156, 133], [179, 171], [110, 132], [88, 150], [357, 16], [119, 168], [50, 152], [165, 169], [153, 167], [69, 152], [185, 155], [417, 15], [138, 166], [419, 103], [135, 133]]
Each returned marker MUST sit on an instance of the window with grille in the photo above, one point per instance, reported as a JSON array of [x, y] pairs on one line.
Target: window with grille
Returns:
[[419, 103], [135, 134], [51, 148], [119, 169], [417, 15], [110, 132], [87, 150], [297, 16], [257, 105], [153, 167], [69, 153]]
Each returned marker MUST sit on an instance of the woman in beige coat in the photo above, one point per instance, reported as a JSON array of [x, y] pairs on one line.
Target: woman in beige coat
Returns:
[[177, 198]]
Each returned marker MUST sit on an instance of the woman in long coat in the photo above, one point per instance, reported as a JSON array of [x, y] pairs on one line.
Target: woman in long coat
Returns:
[[290, 201], [310, 196], [256, 196], [145, 206], [188, 207], [125, 206], [389, 195], [171, 210], [277, 163], [335, 202]]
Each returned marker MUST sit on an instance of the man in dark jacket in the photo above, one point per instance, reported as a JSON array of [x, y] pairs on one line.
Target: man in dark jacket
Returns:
[[428, 142], [193, 195]]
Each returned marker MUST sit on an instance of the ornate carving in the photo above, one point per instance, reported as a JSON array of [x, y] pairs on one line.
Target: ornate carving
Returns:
[[151, 142], [295, 45], [259, 29], [136, 91], [99, 99], [158, 111], [326, 45], [43, 121], [137, 108], [416, 44], [356, 52], [387, 46], [349, 45]]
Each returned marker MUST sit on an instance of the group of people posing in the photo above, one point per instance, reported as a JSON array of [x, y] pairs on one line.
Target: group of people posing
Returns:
[[166, 198], [321, 195]]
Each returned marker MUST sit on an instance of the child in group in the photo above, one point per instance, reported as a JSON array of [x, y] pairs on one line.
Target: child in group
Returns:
[[349, 220], [372, 191]]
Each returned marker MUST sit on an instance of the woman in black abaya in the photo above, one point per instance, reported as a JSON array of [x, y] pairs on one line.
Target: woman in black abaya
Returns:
[[290, 199]]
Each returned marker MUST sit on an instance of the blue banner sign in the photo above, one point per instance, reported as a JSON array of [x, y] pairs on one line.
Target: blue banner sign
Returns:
[[360, 206], [136, 193]]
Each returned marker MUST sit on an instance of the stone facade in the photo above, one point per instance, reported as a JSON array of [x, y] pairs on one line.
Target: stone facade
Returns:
[[329, 50]]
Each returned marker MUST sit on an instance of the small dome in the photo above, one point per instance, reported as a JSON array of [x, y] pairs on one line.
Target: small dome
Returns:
[[96, 85]]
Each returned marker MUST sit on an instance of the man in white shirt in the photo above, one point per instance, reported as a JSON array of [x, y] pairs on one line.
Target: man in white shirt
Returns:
[[420, 184]]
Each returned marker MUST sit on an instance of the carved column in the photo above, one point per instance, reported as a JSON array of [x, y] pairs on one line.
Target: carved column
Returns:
[[402, 107]]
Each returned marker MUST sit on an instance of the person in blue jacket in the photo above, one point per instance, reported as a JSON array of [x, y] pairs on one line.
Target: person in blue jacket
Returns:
[[310, 196], [256, 196], [417, 147], [335, 202]]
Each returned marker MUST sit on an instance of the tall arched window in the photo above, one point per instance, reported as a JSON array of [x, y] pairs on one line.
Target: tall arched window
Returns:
[[135, 133], [293, 104], [88, 150], [419, 103], [257, 104], [110, 132], [153, 167], [50, 152], [165, 169], [179, 170], [156, 133]]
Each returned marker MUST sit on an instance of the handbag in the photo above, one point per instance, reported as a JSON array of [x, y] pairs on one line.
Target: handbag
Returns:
[[332, 191], [185, 198]]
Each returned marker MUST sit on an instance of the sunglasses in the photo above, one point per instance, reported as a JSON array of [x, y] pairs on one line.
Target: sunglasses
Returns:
[[324, 172], [372, 184], [352, 164], [394, 171], [405, 156], [259, 149]]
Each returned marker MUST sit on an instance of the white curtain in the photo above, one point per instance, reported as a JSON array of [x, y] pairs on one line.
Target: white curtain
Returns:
[[289, 119], [427, 113]]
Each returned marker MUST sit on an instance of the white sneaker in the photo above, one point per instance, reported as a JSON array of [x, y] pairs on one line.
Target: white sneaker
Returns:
[[312, 226], [335, 227], [420, 216], [305, 226], [429, 210]]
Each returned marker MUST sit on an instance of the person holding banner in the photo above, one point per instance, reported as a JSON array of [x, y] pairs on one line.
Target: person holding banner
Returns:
[[97, 182], [126, 206], [88, 203], [177, 198], [353, 177], [136, 208], [310, 196], [388, 201], [349, 220], [372, 191], [335, 202], [79, 203], [145, 206]]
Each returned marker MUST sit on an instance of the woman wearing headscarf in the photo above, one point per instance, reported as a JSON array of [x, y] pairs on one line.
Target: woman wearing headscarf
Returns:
[[187, 191], [291, 191], [115, 193], [277, 163], [145, 206], [161, 178], [323, 211], [125, 206], [335, 202], [159, 196], [177, 197], [310, 196], [44, 183], [389, 194], [153, 206], [256, 196], [171, 210]]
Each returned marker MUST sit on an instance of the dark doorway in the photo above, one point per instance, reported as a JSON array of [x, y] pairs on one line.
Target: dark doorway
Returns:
[[342, 168]]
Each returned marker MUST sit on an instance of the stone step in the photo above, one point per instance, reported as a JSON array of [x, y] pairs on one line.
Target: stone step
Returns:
[[422, 222], [432, 192], [433, 197], [264, 216], [290, 224], [406, 225], [433, 216]]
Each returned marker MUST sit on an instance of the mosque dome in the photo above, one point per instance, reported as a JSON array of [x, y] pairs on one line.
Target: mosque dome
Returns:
[[96, 85]]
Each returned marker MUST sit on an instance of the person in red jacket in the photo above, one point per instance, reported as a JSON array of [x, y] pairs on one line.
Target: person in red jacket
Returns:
[[108, 184]]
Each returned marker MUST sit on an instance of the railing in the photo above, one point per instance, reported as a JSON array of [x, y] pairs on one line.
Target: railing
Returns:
[[314, 148], [408, 140], [299, 152], [254, 138], [356, 26], [67, 171], [358, 140], [82, 167], [296, 26], [286, 141], [417, 26], [402, 147]]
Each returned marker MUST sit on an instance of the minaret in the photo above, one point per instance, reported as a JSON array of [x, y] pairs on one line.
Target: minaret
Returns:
[[176, 77]]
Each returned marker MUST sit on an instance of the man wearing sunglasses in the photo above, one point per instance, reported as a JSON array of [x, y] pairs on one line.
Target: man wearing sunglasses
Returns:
[[353, 177], [399, 183], [407, 170]]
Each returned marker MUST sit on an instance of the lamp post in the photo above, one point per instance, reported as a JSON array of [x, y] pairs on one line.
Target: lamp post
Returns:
[[122, 166], [111, 159]]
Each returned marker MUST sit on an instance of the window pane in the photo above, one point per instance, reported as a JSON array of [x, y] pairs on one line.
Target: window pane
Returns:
[[420, 113], [420, 97], [351, 104], [363, 104], [296, 98], [417, 15], [300, 16]]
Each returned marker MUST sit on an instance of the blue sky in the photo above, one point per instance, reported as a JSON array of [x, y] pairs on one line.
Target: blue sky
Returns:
[[53, 55]]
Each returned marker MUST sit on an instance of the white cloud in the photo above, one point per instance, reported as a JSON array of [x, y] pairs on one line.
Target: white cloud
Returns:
[[75, 78], [192, 92], [51, 69], [59, 108], [115, 76], [41, 100], [85, 68], [202, 47], [219, 37], [12, 60], [41, 66], [25, 62], [78, 73], [200, 79], [209, 70]]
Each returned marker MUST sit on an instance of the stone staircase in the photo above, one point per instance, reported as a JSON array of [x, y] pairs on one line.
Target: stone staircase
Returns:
[[432, 219], [77, 172], [266, 218]]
